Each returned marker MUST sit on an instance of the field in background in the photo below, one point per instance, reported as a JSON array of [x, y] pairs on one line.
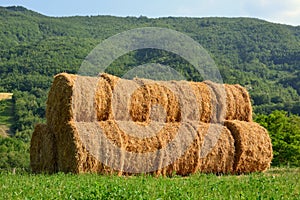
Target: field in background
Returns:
[[4, 131], [277, 183], [4, 96], [6, 109]]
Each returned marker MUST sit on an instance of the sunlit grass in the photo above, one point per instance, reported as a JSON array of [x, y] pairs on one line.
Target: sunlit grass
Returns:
[[277, 183]]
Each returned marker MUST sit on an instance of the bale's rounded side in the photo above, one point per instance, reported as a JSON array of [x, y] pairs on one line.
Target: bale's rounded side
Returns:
[[245, 111], [111, 79], [203, 98], [123, 137], [211, 152], [103, 100], [221, 150], [218, 101], [231, 103], [253, 146], [150, 96], [238, 103]]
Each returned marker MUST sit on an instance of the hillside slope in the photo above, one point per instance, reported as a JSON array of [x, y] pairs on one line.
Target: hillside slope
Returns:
[[262, 56]]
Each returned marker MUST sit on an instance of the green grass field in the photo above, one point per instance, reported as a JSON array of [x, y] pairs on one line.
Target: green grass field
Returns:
[[277, 183]]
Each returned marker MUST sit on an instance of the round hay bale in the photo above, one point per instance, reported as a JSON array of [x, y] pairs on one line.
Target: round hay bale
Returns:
[[149, 97], [43, 152], [59, 106], [72, 155], [203, 97], [211, 152], [238, 103], [231, 103], [218, 101], [218, 150], [245, 111], [70, 91], [111, 79], [79, 109], [253, 147], [103, 98]]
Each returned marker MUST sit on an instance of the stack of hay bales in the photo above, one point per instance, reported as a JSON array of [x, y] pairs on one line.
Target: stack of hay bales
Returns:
[[83, 113]]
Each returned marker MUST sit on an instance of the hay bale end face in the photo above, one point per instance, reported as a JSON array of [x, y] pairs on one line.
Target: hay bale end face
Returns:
[[253, 146], [43, 150], [81, 109]]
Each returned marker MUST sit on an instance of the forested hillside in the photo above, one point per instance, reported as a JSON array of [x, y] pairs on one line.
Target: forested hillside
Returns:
[[262, 56]]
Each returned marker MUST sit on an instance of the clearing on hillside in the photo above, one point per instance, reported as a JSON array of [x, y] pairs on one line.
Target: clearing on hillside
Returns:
[[4, 131], [4, 96], [6, 113]]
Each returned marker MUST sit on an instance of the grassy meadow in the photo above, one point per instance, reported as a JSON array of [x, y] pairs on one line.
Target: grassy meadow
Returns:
[[277, 183]]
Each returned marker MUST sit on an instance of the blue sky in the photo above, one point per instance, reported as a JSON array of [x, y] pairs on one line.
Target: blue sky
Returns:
[[279, 11]]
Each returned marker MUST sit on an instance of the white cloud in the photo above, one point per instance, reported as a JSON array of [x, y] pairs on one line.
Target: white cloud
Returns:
[[201, 8], [282, 11]]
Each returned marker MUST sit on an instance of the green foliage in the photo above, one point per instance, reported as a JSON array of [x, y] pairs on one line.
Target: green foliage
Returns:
[[29, 109], [285, 134], [6, 112], [13, 153], [276, 184]]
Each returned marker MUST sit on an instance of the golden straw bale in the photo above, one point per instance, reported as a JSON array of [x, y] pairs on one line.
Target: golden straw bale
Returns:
[[253, 147], [238, 103], [218, 101], [245, 112], [103, 98], [111, 79], [110, 125], [43, 150], [218, 150], [203, 97], [149, 97], [59, 105], [211, 152]]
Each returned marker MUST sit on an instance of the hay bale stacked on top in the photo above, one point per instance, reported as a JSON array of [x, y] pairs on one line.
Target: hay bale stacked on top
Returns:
[[71, 140]]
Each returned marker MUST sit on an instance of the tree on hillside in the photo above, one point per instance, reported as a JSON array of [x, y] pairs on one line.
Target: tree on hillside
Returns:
[[285, 134]]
